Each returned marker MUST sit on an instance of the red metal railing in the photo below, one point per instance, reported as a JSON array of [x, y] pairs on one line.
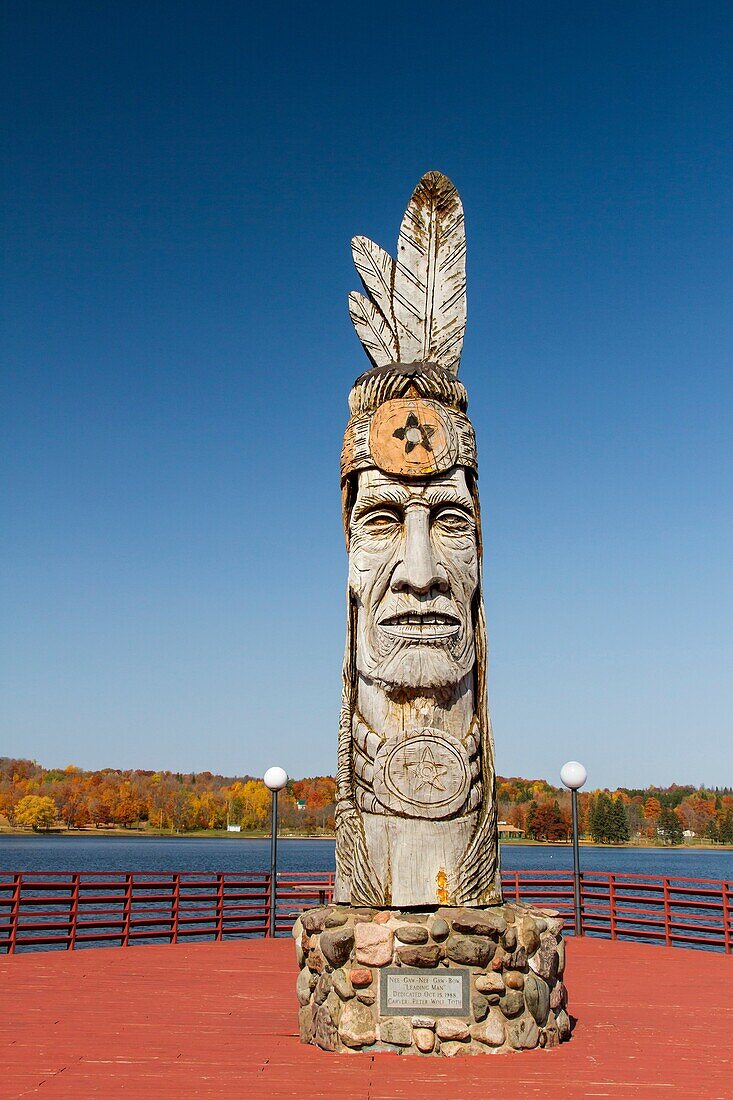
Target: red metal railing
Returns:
[[67, 910]]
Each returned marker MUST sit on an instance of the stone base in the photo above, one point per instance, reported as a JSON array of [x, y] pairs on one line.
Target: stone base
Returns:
[[470, 981]]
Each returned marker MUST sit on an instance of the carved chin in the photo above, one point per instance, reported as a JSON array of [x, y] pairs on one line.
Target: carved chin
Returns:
[[418, 668]]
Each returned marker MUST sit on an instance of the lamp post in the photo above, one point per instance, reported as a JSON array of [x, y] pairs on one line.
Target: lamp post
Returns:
[[574, 776], [275, 779]]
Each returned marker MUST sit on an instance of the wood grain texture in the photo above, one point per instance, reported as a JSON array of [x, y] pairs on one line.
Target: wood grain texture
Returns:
[[418, 302]]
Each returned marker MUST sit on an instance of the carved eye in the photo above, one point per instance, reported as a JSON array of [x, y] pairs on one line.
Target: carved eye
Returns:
[[452, 521], [383, 520]]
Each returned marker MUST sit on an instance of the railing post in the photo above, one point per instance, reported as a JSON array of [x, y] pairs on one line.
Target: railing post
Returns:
[[516, 885], [667, 915], [219, 905], [612, 903], [127, 910], [175, 905], [15, 911], [726, 886], [71, 942], [268, 905]]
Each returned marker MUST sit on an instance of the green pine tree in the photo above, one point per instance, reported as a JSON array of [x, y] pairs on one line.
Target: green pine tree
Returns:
[[618, 822], [669, 826]]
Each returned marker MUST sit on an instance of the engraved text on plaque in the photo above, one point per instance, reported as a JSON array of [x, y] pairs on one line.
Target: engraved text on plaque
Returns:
[[404, 991]]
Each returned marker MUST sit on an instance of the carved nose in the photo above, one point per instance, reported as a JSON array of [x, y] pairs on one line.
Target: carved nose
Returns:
[[418, 571]]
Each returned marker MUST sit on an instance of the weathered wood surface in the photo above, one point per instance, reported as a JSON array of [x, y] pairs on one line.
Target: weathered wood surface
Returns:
[[416, 814], [213, 1020], [415, 311]]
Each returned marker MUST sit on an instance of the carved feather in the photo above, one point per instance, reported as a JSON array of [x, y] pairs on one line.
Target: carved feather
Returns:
[[376, 271], [429, 296], [373, 330]]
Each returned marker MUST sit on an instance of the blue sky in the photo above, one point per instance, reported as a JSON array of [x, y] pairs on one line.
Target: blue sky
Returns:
[[181, 184]]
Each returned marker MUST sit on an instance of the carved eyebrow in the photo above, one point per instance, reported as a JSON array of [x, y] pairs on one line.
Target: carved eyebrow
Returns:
[[446, 495], [388, 494]]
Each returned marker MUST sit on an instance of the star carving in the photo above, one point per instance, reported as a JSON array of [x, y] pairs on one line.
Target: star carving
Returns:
[[428, 772], [415, 434]]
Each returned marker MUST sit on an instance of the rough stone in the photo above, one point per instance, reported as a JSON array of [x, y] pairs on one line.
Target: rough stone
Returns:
[[479, 922], [357, 1027], [451, 1028], [514, 979], [412, 933], [305, 1023], [517, 960], [450, 1049], [510, 939], [423, 1021], [537, 997], [324, 985], [374, 944], [303, 986], [336, 945], [541, 924], [336, 919], [315, 961], [360, 977], [512, 1004], [479, 1006], [497, 960], [468, 950], [314, 920], [419, 956], [440, 929], [561, 957], [491, 1033], [424, 1039], [325, 1033], [395, 1029], [366, 996], [556, 996], [523, 1034], [342, 985], [563, 1023], [544, 961], [529, 936], [490, 983]]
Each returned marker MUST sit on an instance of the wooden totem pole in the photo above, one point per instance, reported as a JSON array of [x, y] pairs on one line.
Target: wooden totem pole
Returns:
[[416, 813], [417, 952]]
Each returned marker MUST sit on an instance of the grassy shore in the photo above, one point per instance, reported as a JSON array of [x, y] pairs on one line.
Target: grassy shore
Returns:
[[285, 834]]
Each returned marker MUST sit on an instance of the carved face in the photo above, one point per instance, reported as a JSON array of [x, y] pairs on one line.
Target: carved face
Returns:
[[413, 571]]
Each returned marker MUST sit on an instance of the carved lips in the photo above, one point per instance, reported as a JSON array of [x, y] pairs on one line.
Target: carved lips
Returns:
[[421, 626]]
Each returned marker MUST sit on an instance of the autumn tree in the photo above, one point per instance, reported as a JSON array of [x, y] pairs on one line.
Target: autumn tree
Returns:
[[37, 812]]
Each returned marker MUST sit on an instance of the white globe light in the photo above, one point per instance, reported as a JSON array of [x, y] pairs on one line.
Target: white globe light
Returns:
[[573, 775], [275, 778]]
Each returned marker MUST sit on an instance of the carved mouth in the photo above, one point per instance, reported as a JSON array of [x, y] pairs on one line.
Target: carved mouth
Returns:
[[427, 626]]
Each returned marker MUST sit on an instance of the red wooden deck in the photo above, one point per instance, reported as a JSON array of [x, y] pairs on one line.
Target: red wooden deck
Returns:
[[218, 1019]]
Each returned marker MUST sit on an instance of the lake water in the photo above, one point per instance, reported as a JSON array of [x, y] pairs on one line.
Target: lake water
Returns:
[[141, 853]]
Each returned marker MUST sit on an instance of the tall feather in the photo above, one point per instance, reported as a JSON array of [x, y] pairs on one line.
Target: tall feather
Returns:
[[429, 297], [376, 271], [373, 330]]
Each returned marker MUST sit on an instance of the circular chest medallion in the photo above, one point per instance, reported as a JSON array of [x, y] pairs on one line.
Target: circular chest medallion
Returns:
[[424, 774], [413, 437]]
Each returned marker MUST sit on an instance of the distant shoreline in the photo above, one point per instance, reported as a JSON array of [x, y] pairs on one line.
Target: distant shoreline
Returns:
[[130, 834]]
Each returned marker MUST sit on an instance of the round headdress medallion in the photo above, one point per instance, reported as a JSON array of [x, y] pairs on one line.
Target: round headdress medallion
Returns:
[[413, 437]]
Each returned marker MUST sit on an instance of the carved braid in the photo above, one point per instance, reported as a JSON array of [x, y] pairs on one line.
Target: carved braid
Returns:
[[479, 880], [356, 881]]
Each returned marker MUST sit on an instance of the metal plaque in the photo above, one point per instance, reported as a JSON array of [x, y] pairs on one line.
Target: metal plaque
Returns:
[[409, 991]]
